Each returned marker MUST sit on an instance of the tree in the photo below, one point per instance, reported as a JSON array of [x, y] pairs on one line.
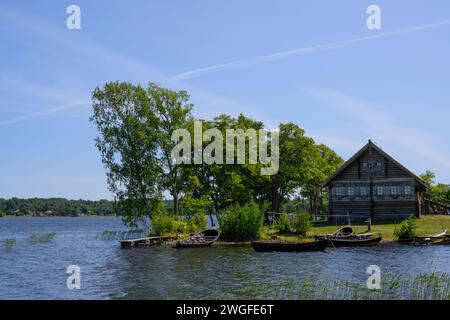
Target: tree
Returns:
[[295, 150], [128, 142], [428, 177], [174, 112], [323, 162]]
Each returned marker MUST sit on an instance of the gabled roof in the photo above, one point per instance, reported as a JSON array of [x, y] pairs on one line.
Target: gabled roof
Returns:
[[379, 150]]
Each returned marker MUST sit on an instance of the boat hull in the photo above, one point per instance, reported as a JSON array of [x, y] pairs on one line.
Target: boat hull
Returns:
[[373, 241], [182, 245], [271, 246], [206, 238]]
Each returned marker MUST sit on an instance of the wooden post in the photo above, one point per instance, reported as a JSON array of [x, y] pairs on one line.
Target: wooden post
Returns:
[[371, 196]]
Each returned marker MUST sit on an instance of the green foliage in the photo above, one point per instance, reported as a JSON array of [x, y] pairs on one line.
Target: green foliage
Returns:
[[407, 229], [163, 222], [438, 192], [282, 224], [428, 177], [195, 211], [241, 223], [127, 122], [55, 207], [301, 223]]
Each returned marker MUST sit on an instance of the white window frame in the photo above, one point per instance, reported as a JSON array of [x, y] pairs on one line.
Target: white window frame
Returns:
[[395, 190], [408, 190], [363, 191], [340, 191], [380, 188], [351, 191]]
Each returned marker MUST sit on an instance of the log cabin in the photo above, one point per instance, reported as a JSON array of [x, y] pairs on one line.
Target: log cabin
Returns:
[[373, 184]]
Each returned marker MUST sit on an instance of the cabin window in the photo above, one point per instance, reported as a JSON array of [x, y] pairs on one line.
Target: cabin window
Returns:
[[363, 191], [394, 190], [408, 190], [380, 190], [340, 191], [351, 191], [372, 166]]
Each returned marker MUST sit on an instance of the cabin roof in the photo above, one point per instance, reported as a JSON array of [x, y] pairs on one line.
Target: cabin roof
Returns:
[[383, 153]]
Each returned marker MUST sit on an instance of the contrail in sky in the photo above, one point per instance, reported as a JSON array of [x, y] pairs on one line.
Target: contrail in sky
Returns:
[[44, 113], [305, 50]]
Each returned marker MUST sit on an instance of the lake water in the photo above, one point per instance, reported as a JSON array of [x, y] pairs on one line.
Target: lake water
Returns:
[[37, 269]]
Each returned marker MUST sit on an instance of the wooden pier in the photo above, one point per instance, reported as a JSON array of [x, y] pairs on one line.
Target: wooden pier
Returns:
[[144, 242]]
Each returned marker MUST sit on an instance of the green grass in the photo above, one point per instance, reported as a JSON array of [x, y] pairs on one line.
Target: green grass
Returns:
[[430, 286], [426, 225]]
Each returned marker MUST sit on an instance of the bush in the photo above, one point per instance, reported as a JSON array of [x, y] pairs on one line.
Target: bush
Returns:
[[282, 224], [163, 222], [195, 210], [241, 223], [407, 229], [301, 223]]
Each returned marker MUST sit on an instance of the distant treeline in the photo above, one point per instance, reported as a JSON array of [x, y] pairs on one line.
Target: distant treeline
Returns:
[[55, 207]]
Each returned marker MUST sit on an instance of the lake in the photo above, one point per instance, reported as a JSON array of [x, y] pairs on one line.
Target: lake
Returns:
[[35, 268]]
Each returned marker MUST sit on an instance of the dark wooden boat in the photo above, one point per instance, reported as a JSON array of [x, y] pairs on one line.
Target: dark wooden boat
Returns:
[[355, 241], [340, 233], [203, 239], [281, 246], [436, 238]]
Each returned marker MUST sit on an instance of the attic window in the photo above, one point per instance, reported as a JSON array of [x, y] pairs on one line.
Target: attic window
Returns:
[[372, 166]]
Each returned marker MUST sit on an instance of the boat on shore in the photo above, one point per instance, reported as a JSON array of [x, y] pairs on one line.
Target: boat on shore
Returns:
[[283, 246], [355, 241], [345, 237], [436, 238], [203, 239]]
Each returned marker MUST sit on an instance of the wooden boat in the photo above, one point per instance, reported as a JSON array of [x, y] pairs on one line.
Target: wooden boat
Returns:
[[355, 241], [282, 246], [345, 237], [203, 239], [437, 237], [340, 233]]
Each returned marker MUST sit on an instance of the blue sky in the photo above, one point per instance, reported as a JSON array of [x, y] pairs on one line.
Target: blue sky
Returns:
[[311, 62]]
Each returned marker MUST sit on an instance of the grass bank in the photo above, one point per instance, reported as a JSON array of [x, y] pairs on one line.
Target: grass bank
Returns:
[[425, 225]]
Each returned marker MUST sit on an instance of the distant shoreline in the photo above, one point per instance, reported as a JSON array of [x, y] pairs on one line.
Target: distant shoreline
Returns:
[[86, 216]]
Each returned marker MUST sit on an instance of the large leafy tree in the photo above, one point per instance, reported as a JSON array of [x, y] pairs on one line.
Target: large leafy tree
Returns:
[[128, 142], [174, 112], [323, 162], [295, 160], [439, 192]]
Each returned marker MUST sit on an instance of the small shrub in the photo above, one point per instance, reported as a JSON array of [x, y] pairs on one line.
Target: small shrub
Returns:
[[163, 223], [241, 223], [301, 223], [282, 224], [407, 229]]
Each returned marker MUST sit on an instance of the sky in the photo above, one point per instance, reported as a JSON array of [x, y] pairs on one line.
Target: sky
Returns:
[[314, 63]]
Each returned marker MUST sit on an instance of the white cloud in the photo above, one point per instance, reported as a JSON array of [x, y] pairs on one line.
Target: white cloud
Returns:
[[384, 127]]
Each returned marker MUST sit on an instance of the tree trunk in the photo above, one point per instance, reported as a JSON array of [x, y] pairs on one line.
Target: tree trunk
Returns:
[[175, 202]]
